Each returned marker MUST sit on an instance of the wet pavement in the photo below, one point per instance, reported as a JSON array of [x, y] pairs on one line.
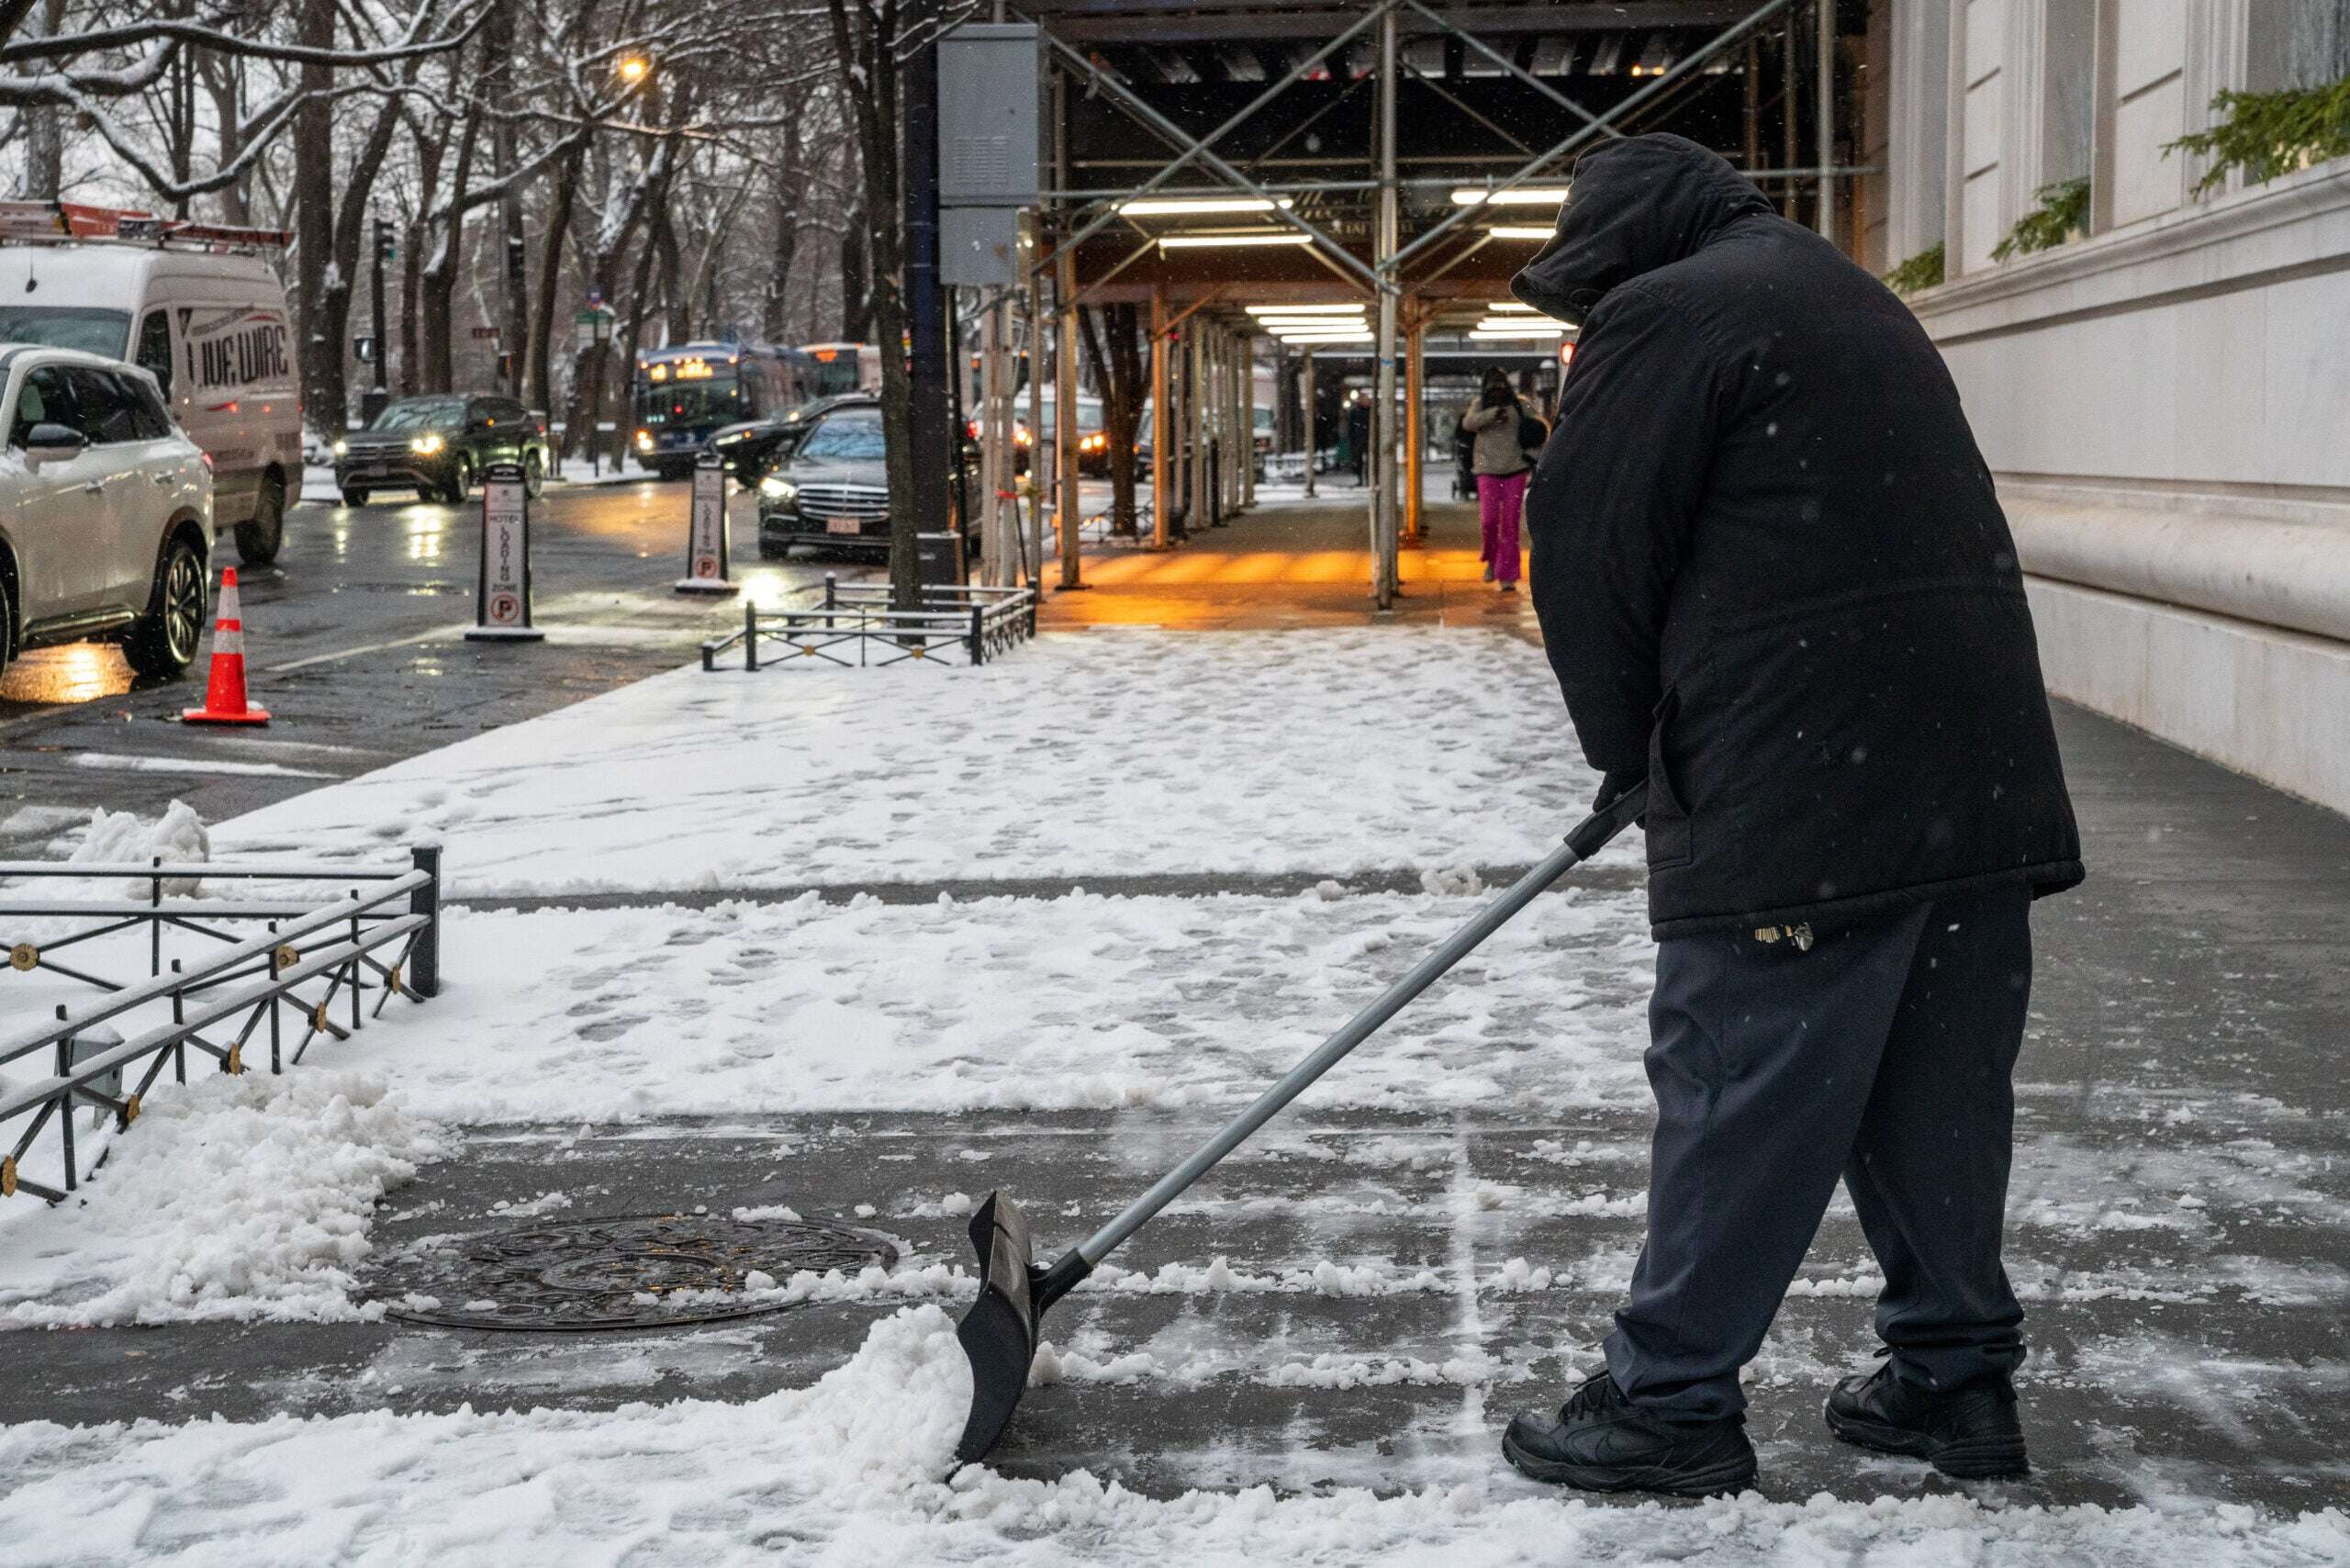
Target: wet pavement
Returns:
[[353, 642], [2178, 1231]]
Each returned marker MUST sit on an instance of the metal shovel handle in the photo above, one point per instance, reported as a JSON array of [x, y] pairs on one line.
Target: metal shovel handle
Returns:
[[1586, 840]]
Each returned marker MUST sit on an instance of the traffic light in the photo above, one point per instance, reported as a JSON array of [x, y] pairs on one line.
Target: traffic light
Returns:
[[386, 247]]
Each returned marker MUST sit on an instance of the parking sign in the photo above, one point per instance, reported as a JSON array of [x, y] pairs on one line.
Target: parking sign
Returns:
[[502, 599]]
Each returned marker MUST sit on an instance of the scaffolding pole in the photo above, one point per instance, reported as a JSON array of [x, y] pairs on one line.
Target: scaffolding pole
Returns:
[[1063, 361], [1035, 432], [1414, 526], [1382, 412], [1248, 411], [1313, 447], [1824, 118], [1197, 508], [1162, 426]]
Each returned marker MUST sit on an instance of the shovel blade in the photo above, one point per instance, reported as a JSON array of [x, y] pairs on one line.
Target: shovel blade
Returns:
[[998, 1334]]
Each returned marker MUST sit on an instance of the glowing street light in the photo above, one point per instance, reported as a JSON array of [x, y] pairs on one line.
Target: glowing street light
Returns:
[[634, 68]]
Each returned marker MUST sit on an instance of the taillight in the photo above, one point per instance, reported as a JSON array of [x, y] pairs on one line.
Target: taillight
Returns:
[[208, 460]]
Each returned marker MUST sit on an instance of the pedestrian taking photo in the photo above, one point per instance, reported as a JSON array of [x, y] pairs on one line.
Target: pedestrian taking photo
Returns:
[[1776, 585], [1507, 437]]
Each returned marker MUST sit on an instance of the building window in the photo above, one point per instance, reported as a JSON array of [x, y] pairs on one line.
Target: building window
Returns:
[[2296, 43]]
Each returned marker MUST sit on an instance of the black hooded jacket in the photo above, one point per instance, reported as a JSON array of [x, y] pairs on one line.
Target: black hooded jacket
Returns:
[[1771, 569]]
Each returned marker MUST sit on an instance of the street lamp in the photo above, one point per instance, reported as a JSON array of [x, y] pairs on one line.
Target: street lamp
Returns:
[[634, 69]]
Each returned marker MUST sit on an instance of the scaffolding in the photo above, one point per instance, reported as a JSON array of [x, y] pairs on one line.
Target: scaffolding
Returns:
[[1209, 156]]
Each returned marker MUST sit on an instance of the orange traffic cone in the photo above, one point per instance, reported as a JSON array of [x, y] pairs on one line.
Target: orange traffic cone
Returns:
[[224, 695]]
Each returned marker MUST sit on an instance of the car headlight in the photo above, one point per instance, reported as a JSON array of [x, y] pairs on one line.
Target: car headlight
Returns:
[[342, 447], [427, 444], [776, 489], [645, 441]]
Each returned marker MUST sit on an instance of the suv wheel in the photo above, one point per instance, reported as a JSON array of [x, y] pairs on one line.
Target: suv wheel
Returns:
[[164, 641], [353, 498], [259, 540], [461, 481], [8, 624], [535, 475]]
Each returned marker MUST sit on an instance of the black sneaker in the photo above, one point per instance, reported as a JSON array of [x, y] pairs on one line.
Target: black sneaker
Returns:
[[1601, 1441], [1970, 1432]]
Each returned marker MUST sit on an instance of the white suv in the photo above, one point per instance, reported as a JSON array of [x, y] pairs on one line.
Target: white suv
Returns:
[[106, 512]]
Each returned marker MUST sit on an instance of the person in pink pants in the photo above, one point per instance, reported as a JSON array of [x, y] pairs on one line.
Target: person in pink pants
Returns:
[[1501, 421]]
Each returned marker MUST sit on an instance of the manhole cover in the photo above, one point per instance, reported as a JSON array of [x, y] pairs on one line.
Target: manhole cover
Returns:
[[616, 1272]]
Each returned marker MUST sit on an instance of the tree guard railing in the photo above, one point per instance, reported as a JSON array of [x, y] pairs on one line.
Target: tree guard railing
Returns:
[[855, 626], [309, 959]]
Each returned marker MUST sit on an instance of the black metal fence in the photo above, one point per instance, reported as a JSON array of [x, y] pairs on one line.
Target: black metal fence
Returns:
[[855, 626], [383, 935]]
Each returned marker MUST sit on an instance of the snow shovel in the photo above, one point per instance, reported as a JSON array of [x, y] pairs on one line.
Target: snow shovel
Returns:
[[1000, 1333]]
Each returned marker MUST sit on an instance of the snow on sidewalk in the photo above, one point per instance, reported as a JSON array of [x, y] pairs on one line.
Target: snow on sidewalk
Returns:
[[1017, 1004], [244, 1198], [1098, 753], [850, 1470]]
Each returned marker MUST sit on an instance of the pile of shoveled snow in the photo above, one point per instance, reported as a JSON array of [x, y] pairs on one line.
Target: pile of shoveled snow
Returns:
[[125, 838], [116, 838], [850, 1470], [234, 1197]]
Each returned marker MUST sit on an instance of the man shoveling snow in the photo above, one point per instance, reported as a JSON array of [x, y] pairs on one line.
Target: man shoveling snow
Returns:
[[1775, 580]]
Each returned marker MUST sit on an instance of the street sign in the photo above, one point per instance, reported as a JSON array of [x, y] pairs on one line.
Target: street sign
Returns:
[[595, 299], [485, 331], [596, 323], [502, 598], [706, 561]]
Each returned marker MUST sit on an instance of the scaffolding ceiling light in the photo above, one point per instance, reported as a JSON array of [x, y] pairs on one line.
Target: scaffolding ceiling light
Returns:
[[1208, 241], [1306, 309], [1180, 206], [1523, 195], [1519, 232]]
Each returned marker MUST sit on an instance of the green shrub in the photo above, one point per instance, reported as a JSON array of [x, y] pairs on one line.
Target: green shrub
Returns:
[[2269, 134], [2063, 212], [1923, 270]]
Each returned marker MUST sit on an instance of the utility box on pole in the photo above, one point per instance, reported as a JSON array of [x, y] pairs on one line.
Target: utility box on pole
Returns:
[[988, 149], [987, 115]]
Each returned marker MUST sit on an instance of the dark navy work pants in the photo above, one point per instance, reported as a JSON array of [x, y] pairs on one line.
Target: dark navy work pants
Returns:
[[1884, 1054]]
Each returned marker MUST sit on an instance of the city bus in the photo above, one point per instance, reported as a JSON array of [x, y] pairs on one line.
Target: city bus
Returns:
[[679, 395], [845, 367]]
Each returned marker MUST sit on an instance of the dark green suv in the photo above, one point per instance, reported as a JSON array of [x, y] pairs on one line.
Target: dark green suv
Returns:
[[438, 446]]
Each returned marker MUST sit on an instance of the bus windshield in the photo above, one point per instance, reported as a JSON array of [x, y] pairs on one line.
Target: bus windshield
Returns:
[[715, 400], [836, 369], [104, 332]]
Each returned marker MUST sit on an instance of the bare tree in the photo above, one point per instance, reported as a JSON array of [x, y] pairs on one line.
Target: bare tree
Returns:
[[865, 45], [1121, 370]]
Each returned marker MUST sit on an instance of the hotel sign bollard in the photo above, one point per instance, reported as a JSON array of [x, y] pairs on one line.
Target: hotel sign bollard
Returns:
[[706, 563], [502, 600]]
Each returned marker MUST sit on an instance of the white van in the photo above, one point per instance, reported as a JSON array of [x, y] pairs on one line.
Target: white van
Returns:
[[197, 306]]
